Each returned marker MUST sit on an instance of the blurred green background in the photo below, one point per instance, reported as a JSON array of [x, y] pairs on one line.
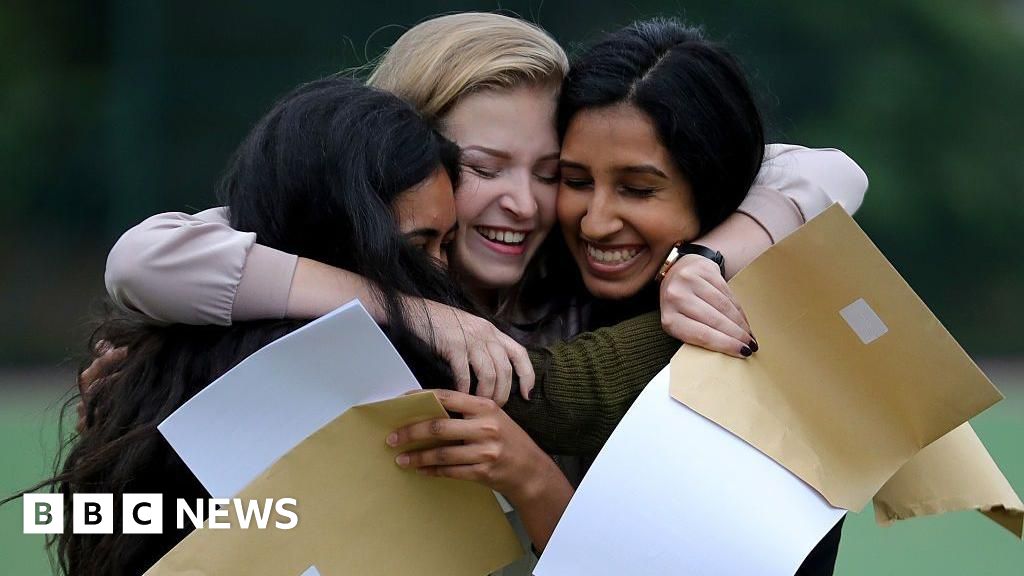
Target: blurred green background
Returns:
[[112, 111]]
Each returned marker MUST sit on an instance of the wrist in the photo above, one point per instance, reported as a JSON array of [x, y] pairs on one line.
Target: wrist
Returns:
[[318, 288], [540, 485], [687, 248]]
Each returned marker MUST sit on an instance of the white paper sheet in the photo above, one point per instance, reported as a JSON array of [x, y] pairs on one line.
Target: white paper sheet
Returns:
[[244, 421], [674, 493]]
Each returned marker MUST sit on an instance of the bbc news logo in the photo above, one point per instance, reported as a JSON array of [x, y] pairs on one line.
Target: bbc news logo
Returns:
[[143, 513]]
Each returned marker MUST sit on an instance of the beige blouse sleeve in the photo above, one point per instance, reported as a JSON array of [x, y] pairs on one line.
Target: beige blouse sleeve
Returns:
[[796, 184], [195, 269]]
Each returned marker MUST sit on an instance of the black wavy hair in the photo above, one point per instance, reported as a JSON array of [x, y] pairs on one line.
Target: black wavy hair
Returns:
[[693, 91], [316, 177]]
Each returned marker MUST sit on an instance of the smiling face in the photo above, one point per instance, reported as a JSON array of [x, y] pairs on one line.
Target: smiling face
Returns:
[[506, 198], [622, 203], [426, 215]]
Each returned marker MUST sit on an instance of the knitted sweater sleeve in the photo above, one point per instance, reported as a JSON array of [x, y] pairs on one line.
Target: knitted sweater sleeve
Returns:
[[585, 386]]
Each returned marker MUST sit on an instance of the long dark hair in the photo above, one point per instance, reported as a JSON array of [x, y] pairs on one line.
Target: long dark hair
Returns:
[[694, 92], [315, 177]]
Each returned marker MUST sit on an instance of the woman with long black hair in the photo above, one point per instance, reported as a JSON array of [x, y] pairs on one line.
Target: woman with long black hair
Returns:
[[334, 165]]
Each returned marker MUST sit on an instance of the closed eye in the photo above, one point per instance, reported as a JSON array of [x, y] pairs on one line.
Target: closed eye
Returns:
[[482, 172], [547, 179], [638, 192], [578, 183]]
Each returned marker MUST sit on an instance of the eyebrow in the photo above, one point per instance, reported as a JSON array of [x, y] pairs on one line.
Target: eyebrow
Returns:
[[637, 169], [489, 151], [429, 233], [505, 155], [643, 169]]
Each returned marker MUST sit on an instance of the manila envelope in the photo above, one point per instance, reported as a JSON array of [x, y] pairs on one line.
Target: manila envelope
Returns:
[[953, 473], [358, 512], [854, 374]]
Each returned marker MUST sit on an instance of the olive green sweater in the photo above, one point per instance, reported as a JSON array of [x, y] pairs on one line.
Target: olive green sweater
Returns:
[[586, 385]]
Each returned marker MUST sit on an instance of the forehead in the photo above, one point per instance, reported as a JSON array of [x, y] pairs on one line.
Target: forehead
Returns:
[[431, 205], [519, 121], [614, 137]]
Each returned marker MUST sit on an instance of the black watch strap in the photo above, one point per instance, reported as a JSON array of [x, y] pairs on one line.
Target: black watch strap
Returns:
[[713, 255]]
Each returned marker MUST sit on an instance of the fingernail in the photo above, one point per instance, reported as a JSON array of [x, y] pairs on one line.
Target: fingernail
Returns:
[[529, 395], [102, 347], [402, 460], [753, 345], [392, 439], [745, 351]]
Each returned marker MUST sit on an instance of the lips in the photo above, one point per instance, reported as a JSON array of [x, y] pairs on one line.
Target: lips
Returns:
[[503, 235], [607, 260], [504, 240], [616, 256]]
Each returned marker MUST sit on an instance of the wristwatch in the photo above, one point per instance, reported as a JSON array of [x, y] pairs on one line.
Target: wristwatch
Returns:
[[681, 249]]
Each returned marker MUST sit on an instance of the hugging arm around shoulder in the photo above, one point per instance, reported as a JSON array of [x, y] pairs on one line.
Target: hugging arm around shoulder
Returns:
[[585, 385], [796, 184], [195, 269]]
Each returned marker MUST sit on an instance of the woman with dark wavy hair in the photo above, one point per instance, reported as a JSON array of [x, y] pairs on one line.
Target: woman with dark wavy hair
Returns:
[[334, 165]]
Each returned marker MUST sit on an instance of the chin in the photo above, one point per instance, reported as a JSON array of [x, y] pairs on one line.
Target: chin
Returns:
[[497, 279], [609, 291]]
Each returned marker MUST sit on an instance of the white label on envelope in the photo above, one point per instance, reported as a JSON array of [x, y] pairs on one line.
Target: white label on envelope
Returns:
[[863, 320], [311, 571]]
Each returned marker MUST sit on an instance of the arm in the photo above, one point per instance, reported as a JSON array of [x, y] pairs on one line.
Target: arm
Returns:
[[584, 386], [794, 184], [195, 269]]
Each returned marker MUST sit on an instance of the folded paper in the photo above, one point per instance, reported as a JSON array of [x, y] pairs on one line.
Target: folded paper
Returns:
[[953, 473], [854, 374], [299, 382], [673, 493], [358, 512]]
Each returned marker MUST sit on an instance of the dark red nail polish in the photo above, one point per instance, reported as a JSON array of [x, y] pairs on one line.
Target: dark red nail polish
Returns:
[[745, 351], [753, 345]]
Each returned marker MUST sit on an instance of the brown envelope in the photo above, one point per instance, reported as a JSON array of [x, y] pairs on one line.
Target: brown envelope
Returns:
[[358, 512], [953, 473], [854, 374]]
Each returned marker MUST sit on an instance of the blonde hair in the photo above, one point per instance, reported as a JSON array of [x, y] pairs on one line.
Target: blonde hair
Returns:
[[439, 61]]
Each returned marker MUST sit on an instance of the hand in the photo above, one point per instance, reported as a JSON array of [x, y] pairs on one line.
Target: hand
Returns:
[[468, 342], [104, 364], [485, 446], [698, 308]]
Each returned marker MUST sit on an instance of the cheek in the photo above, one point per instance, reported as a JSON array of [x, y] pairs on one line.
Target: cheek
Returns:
[[662, 228], [571, 206], [472, 199], [547, 209]]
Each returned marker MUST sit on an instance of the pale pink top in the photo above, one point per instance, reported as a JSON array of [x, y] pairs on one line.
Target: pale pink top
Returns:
[[195, 269]]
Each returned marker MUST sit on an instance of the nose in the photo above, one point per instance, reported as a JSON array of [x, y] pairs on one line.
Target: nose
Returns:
[[519, 199], [601, 219]]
